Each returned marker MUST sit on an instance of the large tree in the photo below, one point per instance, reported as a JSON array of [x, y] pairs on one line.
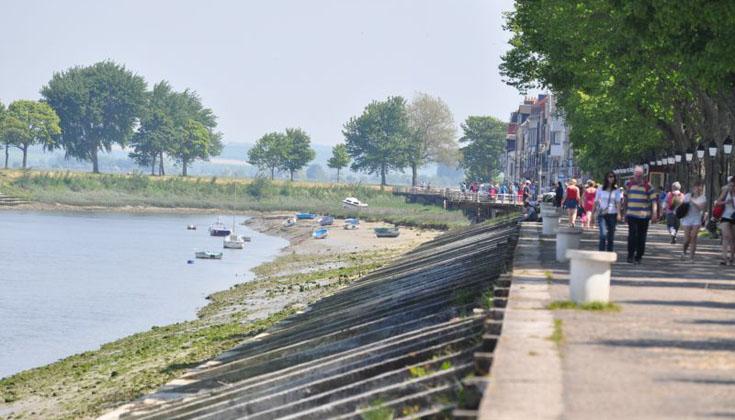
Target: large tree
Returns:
[[483, 146], [378, 140], [297, 151], [340, 158], [632, 76], [194, 142], [98, 106], [32, 122], [433, 134], [268, 152]]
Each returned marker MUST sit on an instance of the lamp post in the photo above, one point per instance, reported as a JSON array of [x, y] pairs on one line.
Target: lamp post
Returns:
[[712, 151], [727, 148], [677, 168], [689, 155], [700, 158]]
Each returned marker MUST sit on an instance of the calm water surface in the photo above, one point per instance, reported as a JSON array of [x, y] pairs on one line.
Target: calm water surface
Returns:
[[72, 281]]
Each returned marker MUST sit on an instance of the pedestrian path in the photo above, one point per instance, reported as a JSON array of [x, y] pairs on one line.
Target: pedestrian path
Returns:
[[668, 353]]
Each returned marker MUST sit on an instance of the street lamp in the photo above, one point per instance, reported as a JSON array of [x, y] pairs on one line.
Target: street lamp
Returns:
[[689, 155], [712, 151], [727, 148]]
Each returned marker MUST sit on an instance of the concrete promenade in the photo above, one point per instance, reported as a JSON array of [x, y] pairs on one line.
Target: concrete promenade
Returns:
[[668, 353]]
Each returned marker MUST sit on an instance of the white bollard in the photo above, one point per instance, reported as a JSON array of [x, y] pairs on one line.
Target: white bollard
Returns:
[[566, 238], [589, 275], [550, 221]]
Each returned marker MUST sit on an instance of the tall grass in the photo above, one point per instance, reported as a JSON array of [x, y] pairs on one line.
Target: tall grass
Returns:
[[232, 194]]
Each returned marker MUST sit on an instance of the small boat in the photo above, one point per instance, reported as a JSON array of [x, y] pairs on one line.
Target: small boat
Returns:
[[232, 241], [191, 227], [219, 229], [352, 202], [386, 232], [289, 222], [305, 216], [320, 233], [352, 221], [206, 255], [351, 224], [326, 221]]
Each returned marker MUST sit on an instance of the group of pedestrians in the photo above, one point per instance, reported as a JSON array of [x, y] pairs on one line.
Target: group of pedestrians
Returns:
[[637, 203]]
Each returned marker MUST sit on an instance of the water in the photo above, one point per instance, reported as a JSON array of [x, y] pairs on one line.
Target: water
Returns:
[[72, 281]]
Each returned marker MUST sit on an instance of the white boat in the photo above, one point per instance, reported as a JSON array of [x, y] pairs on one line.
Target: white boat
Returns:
[[289, 222], [206, 255], [352, 202], [233, 241]]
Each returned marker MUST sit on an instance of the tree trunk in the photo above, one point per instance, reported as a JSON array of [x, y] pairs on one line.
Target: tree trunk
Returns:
[[414, 174], [183, 167], [7, 154], [291, 171], [337, 175], [382, 178], [153, 166], [273, 172], [95, 161], [25, 154], [161, 170]]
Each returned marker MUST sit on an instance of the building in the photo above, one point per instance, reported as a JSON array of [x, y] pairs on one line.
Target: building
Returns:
[[537, 144]]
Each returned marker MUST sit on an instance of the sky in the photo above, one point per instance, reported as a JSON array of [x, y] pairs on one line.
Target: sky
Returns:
[[263, 66]]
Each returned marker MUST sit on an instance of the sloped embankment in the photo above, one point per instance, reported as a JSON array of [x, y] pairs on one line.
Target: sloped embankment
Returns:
[[404, 340]]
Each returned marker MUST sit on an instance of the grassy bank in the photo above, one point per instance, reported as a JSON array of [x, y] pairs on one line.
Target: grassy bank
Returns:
[[82, 189], [88, 384]]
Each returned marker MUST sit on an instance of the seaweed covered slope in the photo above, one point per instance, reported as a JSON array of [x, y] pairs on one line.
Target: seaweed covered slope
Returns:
[[407, 340]]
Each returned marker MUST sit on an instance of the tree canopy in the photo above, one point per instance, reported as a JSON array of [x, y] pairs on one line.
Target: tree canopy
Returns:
[[340, 158], [31, 122], [432, 133], [483, 145], [297, 151], [633, 76], [267, 154], [378, 140], [98, 106]]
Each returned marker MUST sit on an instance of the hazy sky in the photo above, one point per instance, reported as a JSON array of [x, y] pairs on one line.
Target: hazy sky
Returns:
[[267, 65]]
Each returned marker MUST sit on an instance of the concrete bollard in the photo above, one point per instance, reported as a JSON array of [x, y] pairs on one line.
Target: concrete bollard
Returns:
[[566, 238], [550, 222], [589, 275]]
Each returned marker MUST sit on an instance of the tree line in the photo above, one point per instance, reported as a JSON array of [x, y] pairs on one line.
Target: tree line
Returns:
[[87, 109], [394, 135], [633, 77]]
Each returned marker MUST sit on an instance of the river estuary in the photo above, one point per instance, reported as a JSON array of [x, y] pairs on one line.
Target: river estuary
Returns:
[[72, 281]]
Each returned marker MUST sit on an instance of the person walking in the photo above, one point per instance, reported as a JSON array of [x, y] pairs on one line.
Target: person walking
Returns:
[[607, 205], [673, 200], [641, 208], [572, 201], [588, 202], [558, 194], [692, 220], [727, 223]]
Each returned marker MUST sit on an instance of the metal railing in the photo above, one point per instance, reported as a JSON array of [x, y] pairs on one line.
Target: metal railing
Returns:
[[456, 195]]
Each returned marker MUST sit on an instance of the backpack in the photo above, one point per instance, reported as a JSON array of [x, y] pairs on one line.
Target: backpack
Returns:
[[682, 210]]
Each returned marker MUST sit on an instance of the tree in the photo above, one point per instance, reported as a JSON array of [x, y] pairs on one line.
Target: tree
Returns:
[[484, 145], [297, 151], [377, 140], [163, 128], [646, 75], [31, 122], [433, 133], [6, 140], [340, 158], [268, 152], [98, 107], [194, 142]]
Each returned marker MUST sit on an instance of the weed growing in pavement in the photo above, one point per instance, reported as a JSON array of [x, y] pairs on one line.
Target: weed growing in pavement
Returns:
[[558, 335], [378, 411], [589, 306]]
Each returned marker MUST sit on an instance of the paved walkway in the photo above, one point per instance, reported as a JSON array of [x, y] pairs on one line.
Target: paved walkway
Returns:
[[669, 352]]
